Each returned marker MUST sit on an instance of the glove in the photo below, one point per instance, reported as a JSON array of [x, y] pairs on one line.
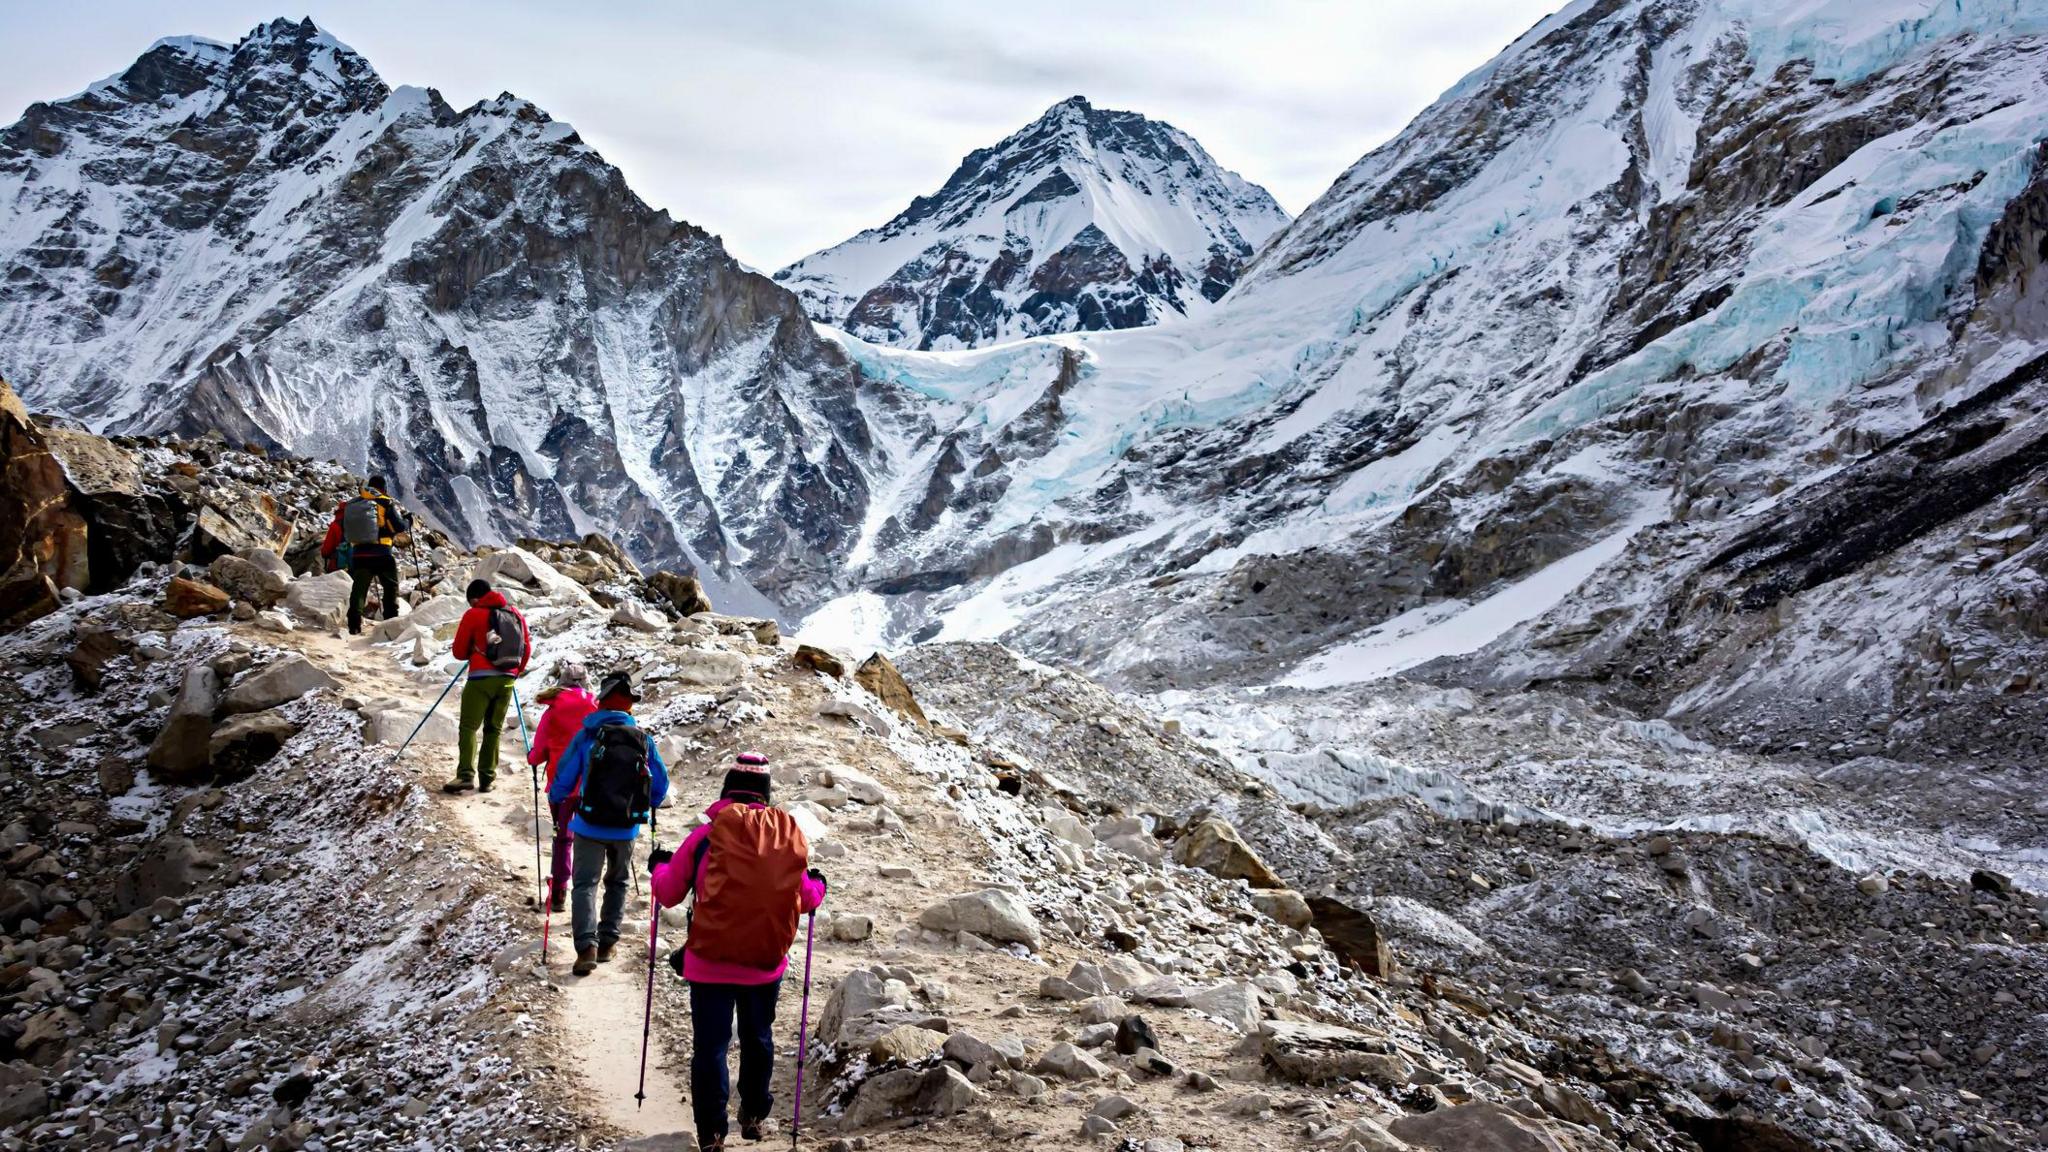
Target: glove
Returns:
[[814, 874], [658, 857]]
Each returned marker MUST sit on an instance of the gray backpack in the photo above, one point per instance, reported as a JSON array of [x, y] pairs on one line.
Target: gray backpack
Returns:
[[361, 522]]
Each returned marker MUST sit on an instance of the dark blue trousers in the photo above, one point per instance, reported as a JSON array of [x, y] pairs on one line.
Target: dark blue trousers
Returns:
[[713, 1008]]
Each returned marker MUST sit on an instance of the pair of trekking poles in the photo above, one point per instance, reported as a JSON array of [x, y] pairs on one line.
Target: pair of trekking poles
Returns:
[[545, 888]]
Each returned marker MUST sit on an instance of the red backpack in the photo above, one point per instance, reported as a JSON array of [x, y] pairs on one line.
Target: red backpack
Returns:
[[749, 888]]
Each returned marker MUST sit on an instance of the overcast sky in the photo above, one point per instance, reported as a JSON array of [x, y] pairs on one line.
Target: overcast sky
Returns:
[[788, 127]]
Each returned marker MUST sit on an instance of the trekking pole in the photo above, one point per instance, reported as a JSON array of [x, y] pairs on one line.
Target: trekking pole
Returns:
[[653, 935], [430, 713], [533, 774], [803, 1028]]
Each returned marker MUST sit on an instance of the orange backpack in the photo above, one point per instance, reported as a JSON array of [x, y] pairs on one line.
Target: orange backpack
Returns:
[[749, 888]]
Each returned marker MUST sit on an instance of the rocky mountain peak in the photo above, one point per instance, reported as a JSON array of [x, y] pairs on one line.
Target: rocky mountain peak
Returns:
[[282, 63], [1161, 228]]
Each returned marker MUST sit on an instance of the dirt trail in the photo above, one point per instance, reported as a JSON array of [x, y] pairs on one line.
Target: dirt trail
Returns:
[[597, 1017]]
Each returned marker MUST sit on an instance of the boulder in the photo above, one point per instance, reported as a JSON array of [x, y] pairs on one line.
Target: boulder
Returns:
[[704, 667], [818, 660], [389, 721], [1215, 847], [1128, 835], [990, 913], [182, 749], [971, 1051], [905, 1044], [522, 571], [1235, 1004], [248, 581], [280, 683], [1479, 1127], [43, 526], [1070, 1063], [880, 677], [186, 599], [1367, 1135], [850, 927], [239, 746], [269, 561], [1310, 1053], [1284, 905], [860, 993], [1133, 1034], [684, 593], [237, 521], [1353, 935], [126, 524], [427, 615], [23, 1101], [634, 615], [319, 602], [91, 653], [855, 784], [936, 1091]]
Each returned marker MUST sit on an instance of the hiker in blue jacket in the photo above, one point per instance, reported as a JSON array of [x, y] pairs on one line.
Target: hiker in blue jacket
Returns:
[[621, 779]]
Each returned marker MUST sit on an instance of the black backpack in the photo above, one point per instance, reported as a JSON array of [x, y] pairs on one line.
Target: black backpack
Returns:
[[505, 640], [618, 791]]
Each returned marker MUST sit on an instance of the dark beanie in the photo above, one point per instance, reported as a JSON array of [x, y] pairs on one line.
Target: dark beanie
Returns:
[[748, 777], [478, 589]]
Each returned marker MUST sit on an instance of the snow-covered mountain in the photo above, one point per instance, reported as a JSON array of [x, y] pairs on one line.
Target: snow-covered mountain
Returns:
[[1086, 219], [1624, 357], [265, 239]]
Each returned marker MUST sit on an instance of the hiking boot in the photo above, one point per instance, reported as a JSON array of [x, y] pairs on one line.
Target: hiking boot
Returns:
[[715, 1144], [486, 785], [586, 961], [750, 1129], [458, 786], [604, 953], [558, 903]]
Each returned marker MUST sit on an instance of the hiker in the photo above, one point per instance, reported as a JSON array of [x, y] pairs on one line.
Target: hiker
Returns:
[[494, 639], [569, 703], [749, 866], [621, 779], [360, 540]]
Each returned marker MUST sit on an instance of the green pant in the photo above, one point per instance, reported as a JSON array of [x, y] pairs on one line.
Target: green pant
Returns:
[[484, 700]]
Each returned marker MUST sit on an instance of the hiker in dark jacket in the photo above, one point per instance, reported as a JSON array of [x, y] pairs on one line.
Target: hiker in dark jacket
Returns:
[[726, 982], [494, 639], [367, 534], [622, 780]]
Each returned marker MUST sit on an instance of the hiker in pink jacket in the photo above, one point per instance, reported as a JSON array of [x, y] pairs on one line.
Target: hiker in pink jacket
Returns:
[[721, 989], [569, 702]]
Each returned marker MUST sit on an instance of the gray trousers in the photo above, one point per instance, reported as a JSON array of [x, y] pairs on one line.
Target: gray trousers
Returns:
[[611, 859]]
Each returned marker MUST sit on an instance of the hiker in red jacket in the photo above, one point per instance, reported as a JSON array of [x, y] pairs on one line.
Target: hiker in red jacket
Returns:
[[569, 703], [494, 639], [360, 539], [748, 865]]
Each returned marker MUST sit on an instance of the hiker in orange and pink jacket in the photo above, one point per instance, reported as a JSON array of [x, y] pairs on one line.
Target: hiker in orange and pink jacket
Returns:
[[569, 704], [749, 866]]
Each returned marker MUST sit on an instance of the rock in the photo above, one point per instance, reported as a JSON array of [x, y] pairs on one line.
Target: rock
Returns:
[[856, 785], [683, 593], [1113, 1107], [181, 750], [18, 899], [1100, 1010], [1996, 883], [905, 1044], [1070, 1063], [128, 525], [1132, 1034], [1165, 991], [517, 570], [319, 602], [248, 581], [879, 676], [386, 721], [280, 683], [1068, 827], [1093, 1125], [274, 621], [850, 928], [1480, 1127], [236, 523], [705, 667], [819, 660], [1312, 1053], [427, 616], [634, 615], [1712, 999], [1128, 835], [991, 913], [1873, 884], [1283, 905], [268, 561], [1235, 1004], [22, 1101], [1369, 1136], [89, 656], [1566, 1104], [1216, 848], [186, 599], [860, 995], [245, 742], [971, 1051], [937, 1091], [1353, 935], [1027, 1086], [43, 523]]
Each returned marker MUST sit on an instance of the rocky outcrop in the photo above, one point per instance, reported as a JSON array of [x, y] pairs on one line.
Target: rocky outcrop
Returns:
[[42, 531]]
